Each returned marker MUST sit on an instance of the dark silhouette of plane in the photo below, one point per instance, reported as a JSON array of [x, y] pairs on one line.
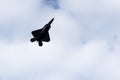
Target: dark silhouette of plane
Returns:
[[42, 34]]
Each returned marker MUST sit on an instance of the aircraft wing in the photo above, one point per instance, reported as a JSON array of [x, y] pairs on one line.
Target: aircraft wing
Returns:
[[46, 37], [36, 33]]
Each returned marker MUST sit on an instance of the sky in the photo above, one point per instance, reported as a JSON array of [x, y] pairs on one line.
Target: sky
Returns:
[[85, 40]]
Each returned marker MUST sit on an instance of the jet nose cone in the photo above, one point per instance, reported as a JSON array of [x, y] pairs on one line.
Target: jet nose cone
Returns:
[[51, 21]]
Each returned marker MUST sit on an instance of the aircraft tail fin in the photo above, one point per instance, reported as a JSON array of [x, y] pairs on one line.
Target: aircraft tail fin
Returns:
[[33, 39], [40, 43]]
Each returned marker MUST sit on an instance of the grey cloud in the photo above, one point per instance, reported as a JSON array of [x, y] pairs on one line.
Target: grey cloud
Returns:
[[52, 3]]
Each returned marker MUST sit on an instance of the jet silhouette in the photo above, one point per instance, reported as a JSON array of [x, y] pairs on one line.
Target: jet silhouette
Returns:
[[42, 34]]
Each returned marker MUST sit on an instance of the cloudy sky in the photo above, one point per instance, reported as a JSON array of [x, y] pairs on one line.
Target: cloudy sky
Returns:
[[85, 40]]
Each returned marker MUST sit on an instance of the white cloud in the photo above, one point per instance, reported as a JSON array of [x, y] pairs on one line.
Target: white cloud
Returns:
[[12, 9], [91, 6], [53, 61]]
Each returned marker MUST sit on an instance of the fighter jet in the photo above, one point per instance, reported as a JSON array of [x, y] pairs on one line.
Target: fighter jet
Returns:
[[42, 34]]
